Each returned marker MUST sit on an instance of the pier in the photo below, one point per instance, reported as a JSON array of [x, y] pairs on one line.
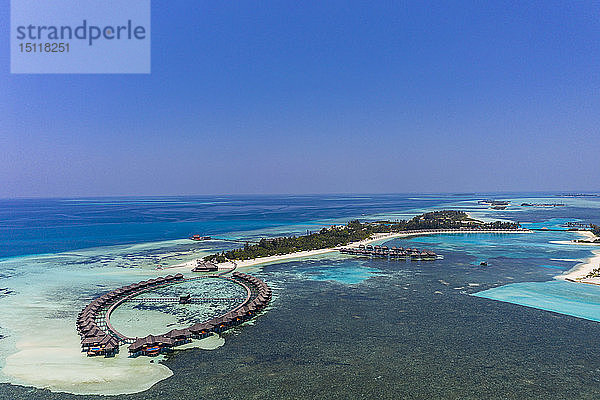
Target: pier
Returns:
[[391, 253], [578, 225], [99, 337], [190, 300]]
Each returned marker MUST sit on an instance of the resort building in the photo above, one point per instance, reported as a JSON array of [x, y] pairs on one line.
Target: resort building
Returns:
[[205, 266]]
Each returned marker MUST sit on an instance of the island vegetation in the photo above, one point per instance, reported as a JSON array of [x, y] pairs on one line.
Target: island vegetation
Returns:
[[355, 231], [595, 273], [595, 229]]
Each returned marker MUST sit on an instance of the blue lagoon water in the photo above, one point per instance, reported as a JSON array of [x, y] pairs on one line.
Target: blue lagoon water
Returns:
[[334, 270], [337, 325]]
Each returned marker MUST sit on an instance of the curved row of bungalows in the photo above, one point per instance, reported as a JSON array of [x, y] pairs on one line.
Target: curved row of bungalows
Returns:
[[232, 318], [95, 340], [153, 345], [260, 286], [464, 228], [263, 293]]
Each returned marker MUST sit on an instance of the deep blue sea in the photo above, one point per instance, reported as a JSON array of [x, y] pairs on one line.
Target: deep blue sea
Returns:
[[32, 226], [338, 327]]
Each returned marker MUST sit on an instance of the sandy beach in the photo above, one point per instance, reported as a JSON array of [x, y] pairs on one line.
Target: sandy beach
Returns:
[[581, 270], [379, 237]]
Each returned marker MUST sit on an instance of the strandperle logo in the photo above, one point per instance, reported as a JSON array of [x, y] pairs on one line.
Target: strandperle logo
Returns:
[[85, 31], [80, 36]]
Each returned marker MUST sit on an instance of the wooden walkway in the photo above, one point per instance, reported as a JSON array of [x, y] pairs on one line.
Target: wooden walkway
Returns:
[[191, 300]]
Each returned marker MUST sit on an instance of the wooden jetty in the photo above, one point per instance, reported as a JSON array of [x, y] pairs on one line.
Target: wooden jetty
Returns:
[[577, 225], [391, 253]]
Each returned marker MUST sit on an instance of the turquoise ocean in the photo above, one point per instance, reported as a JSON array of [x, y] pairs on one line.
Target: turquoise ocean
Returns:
[[338, 326]]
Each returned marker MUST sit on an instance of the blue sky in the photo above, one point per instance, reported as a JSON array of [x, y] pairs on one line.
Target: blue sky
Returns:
[[320, 97]]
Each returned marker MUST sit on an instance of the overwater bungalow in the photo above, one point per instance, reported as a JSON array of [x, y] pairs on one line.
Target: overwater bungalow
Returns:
[[90, 329], [92, 307], [85, 315], [179, 336], [91, 321], [110, 295], [239, 316], [384, 251], [220, 324], [111, 349], [150, 345], [81, 323], [95, 331], [201, 330], [258, 303], [84, 329], [88, 342]]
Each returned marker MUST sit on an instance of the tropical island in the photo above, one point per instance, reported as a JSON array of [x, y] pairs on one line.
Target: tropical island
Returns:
[[593, 235], [595, 229], [356, 231]]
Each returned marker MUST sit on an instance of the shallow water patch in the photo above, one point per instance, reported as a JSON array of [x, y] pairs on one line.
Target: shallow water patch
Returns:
[[575, 299], [348, 272]]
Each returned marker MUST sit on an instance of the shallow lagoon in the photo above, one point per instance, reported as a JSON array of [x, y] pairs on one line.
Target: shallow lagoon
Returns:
[[563, 297], [136, 318]]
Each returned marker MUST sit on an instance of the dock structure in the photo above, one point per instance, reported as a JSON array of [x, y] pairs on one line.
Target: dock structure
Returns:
[[392, 253], [415, 254], [577, 225], [99, 337]]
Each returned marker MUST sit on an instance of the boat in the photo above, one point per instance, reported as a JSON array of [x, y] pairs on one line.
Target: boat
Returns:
[[199, 238]]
